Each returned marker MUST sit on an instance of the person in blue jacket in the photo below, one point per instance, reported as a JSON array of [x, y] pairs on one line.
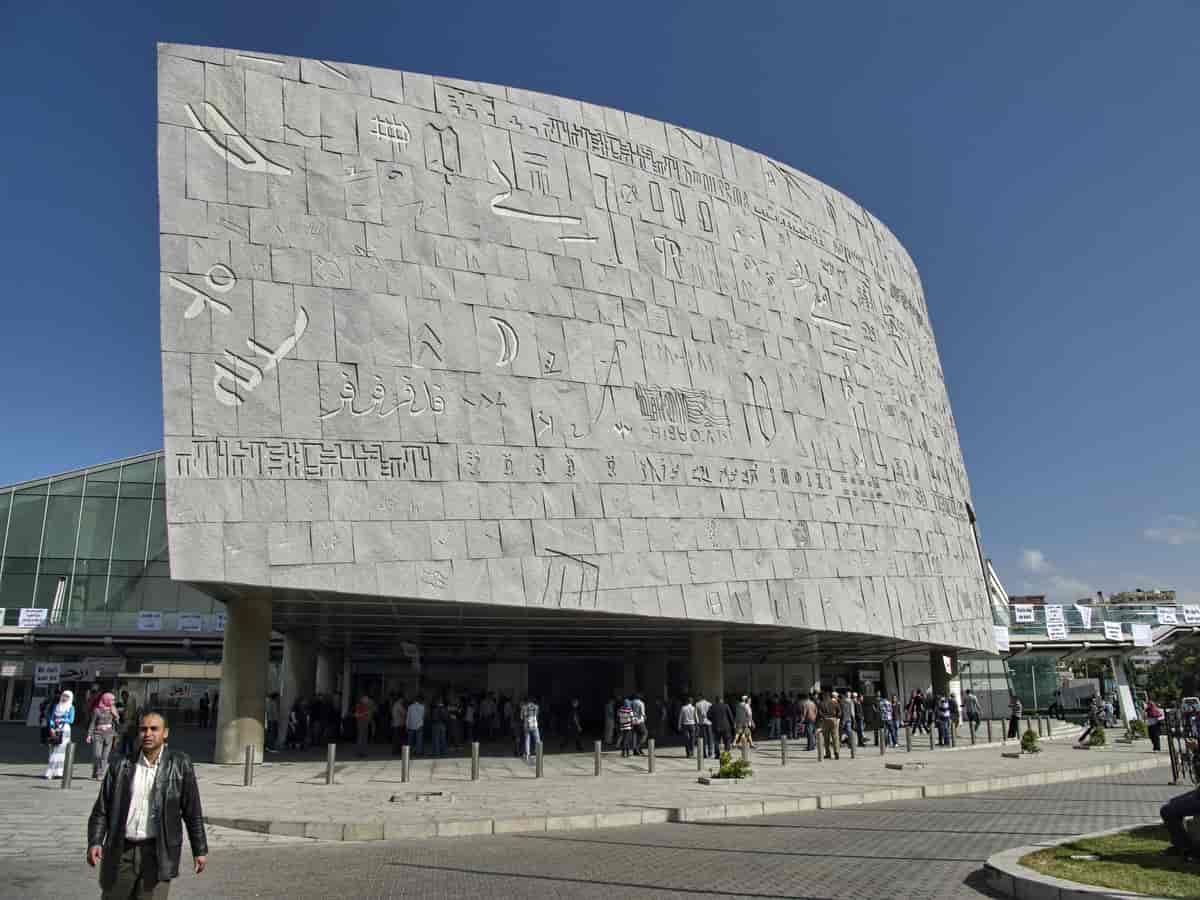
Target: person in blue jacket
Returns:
[[58, 733]]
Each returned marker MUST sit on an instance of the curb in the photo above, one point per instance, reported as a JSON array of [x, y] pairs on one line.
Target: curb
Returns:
[[384, 831], [1008, 877]]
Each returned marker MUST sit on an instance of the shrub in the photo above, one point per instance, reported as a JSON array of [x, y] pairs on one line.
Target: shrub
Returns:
[[1097, 738], [1138, 729], [1029, 742], [731, 768]]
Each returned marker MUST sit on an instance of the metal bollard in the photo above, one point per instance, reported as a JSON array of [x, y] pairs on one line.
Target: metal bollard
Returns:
[[540, 757], [596, 748], [475, 760], [1039, 729], [908, 739], [782, 750], [1049, 727], [989, 730], [650, 755], [405, 763], [1028, 725], [852, 754], [930, 738], [881, 740], [69, 766], [817, 744], [248, 771], [745, 752], [700, 762], [330, 760]]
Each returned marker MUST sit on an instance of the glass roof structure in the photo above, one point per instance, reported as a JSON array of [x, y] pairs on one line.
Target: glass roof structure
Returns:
[[90, 548]]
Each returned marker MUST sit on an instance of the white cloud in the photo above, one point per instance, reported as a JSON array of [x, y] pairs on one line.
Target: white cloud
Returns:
[[1174, 530], [1034, 561], [1059, 587]]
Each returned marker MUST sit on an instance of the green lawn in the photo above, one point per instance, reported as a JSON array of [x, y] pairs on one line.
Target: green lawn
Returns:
[[1128, 861]]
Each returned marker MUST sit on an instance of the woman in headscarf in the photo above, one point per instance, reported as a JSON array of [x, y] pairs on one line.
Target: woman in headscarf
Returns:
[[102, 733], [58, 725]]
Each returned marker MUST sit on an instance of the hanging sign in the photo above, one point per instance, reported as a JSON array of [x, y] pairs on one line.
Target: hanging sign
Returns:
[[1166, 615], [1142, 635], [1085, 616], [149, 620], [1001, 632], [1191, 615], [1054, 615], [1023, 613], [32, 618], [216, 622], [46, 673], [1112, 631], [1056, 632], [190, 621]]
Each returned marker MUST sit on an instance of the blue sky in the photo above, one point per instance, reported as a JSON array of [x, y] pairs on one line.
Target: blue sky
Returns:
[[1041, 162]]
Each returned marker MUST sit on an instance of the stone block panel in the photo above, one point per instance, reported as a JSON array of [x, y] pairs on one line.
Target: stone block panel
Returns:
[[427, 338]]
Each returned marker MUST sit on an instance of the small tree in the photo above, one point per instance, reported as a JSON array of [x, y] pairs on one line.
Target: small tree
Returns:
[[733, 768], [1029, 742], [1097, 738]]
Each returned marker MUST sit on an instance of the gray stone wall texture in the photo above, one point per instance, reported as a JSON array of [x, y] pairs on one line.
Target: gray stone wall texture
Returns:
[[447, 340]]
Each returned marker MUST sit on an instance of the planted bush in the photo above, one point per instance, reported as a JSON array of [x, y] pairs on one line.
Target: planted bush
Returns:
[[1029, 742], [1097, 738], [733, 768]]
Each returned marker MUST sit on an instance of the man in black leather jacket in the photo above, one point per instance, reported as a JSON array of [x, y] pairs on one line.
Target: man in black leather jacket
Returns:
[[135, 831]]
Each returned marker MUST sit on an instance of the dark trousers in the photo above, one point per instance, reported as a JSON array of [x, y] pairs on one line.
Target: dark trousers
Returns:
[[1155, 735], [1174, 811], [137, 875], [689, 738], [1014, 725], [725, 739]]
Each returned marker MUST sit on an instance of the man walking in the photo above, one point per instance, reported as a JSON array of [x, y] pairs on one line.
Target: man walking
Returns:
[[829, 712], [721, 717], [846, 710], [640, 733], [971, 705], [415, 725], [688, 726], [145, 803], [810, 722], [1014, 715], [704, 726]]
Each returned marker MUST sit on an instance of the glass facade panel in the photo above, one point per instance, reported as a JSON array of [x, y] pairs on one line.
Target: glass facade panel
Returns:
[[133, 517], [62, 524], [102, 553], [95, 530], [25, 523]]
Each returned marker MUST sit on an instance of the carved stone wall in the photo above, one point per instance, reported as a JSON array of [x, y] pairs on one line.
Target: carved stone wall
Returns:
[[441, 339]]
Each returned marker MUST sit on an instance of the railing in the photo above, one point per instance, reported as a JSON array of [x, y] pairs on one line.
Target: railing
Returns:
[[1073, 619]]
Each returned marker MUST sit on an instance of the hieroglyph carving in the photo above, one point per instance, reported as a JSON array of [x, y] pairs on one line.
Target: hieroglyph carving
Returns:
[[230, 144]]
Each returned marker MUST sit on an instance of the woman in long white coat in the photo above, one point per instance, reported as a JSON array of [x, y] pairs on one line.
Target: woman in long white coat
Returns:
[[58, 725]]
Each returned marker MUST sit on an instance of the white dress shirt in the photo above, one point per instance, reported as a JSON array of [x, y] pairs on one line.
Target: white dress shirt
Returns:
[[138, 819]]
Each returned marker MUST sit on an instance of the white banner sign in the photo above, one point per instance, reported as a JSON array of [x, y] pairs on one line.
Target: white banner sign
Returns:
[[103, 665], [1022, 613], [1166, 615], [46, 673], [12, 669], [216, 622], [1056, 632], [149, 620], [1001, 632], [1191, 615], [190, 621], [1112, 631], [1142, 635], [32, 618], [1085, 616]]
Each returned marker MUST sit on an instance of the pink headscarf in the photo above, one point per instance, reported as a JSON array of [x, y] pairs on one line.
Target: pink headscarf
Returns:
[[106, 700]]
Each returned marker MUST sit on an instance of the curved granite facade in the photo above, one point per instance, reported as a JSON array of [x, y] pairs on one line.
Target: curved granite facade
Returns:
[[439, 339]]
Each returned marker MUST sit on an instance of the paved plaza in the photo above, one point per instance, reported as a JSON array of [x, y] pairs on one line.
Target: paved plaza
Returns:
[[903, 849]]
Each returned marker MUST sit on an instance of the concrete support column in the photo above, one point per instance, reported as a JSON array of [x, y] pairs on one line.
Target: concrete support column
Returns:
[[244, 662], [326, 668], [654, 690], [939, 678], [707, 666], [299, 679], [345, 685], [1124, 694]]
